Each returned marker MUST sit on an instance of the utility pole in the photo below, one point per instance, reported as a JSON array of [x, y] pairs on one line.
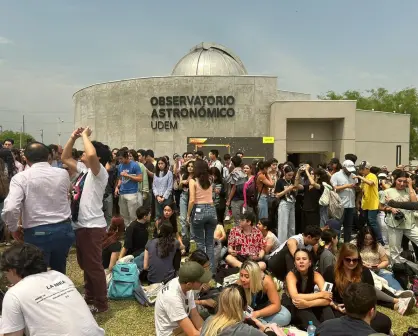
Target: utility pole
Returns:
[[42, 135], [1, 129], [21, 133], [23, 126]]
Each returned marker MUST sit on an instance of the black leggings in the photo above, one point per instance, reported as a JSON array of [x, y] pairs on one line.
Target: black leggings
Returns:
[[281, 263], [381, 323], [301, 317]]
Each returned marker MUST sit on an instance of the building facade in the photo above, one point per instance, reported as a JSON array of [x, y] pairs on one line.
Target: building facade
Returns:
[[209, 101]]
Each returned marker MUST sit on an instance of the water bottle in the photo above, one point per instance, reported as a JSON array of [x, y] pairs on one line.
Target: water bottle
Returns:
[[311, 329]]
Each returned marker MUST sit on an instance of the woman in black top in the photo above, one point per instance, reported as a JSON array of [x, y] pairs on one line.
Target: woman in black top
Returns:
[[312, 193], [304, 304], [349, 269]]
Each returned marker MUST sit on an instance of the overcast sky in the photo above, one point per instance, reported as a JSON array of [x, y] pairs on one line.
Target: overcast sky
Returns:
[[51, 48]]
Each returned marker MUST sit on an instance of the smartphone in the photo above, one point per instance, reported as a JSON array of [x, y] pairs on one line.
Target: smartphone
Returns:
[[328, 287], [248, 311]]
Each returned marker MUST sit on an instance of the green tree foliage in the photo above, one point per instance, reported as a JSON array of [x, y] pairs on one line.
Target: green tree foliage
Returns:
[[26, 138], [404, 101]]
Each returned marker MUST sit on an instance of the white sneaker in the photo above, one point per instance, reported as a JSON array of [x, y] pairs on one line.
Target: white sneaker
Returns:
[[405, 305], [404, 294], [227, 218]]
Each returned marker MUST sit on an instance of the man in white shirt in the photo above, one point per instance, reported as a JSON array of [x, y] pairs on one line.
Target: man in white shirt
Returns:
[[41, 302], [40, 196], [345, 185], [90, 225], [214, 160], [175, 308]]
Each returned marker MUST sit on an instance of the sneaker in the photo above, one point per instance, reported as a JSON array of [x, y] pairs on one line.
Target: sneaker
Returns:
[[404, 294], [95, 310], [227, 218], [406, 305]]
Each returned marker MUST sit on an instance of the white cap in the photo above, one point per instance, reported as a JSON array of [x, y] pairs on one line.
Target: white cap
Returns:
[[349, 165]]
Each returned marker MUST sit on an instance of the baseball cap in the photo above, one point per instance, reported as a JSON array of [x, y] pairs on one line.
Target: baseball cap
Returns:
[[334, 224], [365, 164], [192, 271], [349, 165], [382, 175]]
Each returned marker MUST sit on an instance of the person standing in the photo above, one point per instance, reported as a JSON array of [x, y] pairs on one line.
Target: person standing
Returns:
[[129, 175], [370, 200], [344, 182], [214, 160], [40, 196], [90, 226]]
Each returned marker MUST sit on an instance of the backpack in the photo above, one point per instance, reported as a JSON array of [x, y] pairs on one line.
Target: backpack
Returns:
[[125, 279], [250, 193], [76, 193], [146, 296], [335, 206]]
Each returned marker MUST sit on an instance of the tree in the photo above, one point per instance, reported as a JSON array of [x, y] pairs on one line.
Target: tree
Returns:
[[404, 101], [26, 137]]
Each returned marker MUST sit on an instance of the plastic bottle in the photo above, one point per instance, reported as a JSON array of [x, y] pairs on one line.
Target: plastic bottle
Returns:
[[311, 329]]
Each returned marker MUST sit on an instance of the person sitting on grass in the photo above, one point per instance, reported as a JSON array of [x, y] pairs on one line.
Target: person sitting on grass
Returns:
[[282, 259], [271, 243], [360, 308], [162, 255], [327, 250], [175, 308], [230, 319], [262, 295], [111, 243], [304, 304], [245, 243], [41, 302], [136, 235], [170, 215]]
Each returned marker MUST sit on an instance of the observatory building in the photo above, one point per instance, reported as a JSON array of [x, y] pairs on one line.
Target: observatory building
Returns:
[[210, 101]]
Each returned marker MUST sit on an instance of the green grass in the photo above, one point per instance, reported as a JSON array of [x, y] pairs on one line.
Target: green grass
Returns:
[[129, 318]]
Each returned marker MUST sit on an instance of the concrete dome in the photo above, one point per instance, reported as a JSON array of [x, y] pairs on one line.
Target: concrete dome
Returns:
[[209, 59]]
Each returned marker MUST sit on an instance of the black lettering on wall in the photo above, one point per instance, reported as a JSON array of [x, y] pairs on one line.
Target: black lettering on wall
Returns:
[[182, 100], [169, 101], [154, 101]]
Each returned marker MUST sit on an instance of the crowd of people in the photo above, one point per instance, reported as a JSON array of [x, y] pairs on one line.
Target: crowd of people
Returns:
[[305, 246]]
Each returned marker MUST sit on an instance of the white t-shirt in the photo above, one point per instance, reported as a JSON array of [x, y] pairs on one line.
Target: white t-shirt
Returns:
[[47, 304], [300, 241], [171, 307], [91, 204]]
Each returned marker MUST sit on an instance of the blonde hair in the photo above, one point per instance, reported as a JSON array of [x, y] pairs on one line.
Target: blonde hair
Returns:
[[230, 311], [256, 281]]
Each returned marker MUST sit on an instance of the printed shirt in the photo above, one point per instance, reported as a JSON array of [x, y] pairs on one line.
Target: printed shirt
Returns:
[[246, 244]]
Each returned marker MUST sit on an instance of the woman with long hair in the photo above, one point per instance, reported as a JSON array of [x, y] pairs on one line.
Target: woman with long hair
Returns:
[[335, 166], [312, 193], [184, 202], [162, 186], [300, 298], [9, 162], [162, 255], [262, 296], [263, 183], [170, 215], [374, 256], [201, 212], [286, 193], [349, 269], [399, 222], [229, 320], [327, 250]]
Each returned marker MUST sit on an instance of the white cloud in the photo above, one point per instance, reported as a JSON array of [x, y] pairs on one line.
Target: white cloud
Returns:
[[4, 40]]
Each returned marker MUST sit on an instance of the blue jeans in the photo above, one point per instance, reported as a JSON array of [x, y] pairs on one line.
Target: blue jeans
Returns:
[[286, 221], [263, 207], [371, 217], [185, 229], [323, 213], [54, 240], [388, 276], [282, 318], [203, 221], [139, 261]]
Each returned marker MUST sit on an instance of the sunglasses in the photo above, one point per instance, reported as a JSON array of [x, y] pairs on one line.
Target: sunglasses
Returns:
[[351, 260]]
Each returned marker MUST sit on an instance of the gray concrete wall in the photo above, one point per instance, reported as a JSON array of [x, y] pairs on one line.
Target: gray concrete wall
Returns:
[[299, 136], [309, 111], [291, 95], [378, 134], [120, 112]]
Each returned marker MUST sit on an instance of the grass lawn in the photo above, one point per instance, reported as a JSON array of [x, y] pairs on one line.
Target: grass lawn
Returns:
[[128, 318]]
